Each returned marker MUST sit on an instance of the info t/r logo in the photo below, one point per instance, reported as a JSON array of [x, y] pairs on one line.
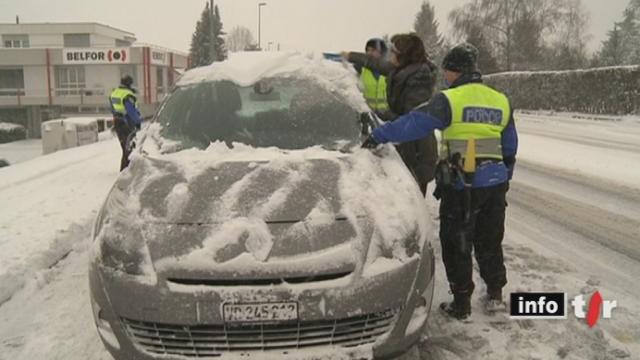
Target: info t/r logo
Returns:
[[541, 305]]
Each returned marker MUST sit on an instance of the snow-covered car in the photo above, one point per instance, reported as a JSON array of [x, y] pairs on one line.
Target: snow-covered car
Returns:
[[250, 224]]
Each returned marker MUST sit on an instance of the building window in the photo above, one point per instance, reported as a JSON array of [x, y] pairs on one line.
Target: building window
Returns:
[[77, 40], [70, 80], [11, 82], [15, 41], [160, 88]]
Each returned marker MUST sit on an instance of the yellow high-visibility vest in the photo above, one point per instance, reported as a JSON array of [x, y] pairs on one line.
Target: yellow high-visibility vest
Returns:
[[117, 98], [478, 112], [375, 90]]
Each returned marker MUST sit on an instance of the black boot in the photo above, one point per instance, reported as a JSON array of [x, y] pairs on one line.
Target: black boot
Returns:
[[460, 307], [492, 302], [494, 294]]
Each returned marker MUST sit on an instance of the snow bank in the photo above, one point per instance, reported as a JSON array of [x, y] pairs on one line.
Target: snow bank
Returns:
[[11, 132], [42, 199], [74, 121], [20, 151], [4, 126], [245, 69]]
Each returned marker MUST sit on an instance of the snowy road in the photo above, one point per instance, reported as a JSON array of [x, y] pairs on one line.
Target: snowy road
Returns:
[[571, 227]]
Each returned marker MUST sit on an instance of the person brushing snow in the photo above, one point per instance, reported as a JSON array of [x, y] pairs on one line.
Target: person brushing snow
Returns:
[[478, 155], [410, 81], [126, 117]]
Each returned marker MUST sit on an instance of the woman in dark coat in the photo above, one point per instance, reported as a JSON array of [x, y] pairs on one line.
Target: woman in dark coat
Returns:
[[411, 79]]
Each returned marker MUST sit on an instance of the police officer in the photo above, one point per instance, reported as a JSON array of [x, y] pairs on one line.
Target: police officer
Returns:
[[126, 117], [479, 145], [374, 83]]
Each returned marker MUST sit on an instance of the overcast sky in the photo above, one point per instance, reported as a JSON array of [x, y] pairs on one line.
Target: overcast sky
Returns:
[[320, 25]]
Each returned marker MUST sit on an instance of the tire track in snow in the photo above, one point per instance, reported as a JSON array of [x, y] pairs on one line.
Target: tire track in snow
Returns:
[[614, 231], [607, 194]]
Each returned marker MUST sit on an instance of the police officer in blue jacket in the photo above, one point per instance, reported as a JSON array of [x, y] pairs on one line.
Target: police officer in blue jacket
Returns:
[[126, 117], [473, 201]]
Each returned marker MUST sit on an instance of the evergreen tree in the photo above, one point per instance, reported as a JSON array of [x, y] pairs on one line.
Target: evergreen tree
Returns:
[[426, 27], [487, 61], [621, 45], [611, 53], [527, 42], [200, 52], [221, 50]]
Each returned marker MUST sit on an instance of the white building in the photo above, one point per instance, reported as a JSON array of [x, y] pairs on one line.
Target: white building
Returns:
[[51, 69]]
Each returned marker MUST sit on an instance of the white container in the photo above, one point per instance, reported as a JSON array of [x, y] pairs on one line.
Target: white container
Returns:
[[60, 134]]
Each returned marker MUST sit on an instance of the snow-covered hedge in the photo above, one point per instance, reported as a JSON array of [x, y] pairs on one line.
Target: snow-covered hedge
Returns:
[[11, 132], [611, 90]]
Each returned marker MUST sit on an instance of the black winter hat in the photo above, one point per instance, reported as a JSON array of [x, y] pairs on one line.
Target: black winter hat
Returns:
[[377, 43], [127, 81], [463, 58]]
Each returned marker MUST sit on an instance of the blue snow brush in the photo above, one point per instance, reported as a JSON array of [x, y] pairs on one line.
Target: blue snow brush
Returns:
[[332, 57]]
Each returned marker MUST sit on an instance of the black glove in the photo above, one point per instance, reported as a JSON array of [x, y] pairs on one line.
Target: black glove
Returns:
[[370, 143]]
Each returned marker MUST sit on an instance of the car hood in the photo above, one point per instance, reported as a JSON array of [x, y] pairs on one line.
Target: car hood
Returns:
[[244, 217]]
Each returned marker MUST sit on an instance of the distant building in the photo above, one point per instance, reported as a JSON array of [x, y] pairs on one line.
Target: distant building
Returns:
[[52, 69]]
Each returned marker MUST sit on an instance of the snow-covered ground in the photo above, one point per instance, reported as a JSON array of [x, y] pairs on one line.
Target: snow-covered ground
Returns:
[[20, 151], [44, 201], [573, 226]]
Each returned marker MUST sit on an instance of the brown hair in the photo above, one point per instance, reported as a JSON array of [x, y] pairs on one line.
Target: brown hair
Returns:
[[409, 49]]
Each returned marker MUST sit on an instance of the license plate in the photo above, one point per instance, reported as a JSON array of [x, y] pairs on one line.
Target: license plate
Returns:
[[260, 312]]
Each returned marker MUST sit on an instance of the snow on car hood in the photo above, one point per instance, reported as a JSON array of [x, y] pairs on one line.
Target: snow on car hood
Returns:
[[223, 209], [245, 69]]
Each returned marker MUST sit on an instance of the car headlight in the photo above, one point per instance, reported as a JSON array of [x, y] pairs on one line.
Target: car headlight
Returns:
[[118, 254], [104, 327], [403, 247], [388, 254], [119, 243]]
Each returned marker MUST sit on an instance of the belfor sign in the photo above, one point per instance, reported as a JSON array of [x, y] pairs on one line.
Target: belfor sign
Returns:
[[96, 56]]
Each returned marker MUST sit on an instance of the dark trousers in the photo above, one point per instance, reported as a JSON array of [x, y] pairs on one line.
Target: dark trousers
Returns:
[[123, 131], [482, 234]]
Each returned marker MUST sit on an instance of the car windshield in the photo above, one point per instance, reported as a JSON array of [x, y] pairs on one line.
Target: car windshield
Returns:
[[287, 113]]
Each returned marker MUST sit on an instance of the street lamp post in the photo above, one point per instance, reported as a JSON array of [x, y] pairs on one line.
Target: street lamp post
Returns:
[[260, 5]]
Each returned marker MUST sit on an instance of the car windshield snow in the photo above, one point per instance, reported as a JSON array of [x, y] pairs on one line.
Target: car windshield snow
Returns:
[[287, 113]]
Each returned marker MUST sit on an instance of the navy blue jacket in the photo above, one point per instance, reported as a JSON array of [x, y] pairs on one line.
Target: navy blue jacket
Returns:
[[436, 114]]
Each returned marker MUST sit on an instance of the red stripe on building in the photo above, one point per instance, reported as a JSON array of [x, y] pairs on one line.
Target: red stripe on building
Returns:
[[48, 61]]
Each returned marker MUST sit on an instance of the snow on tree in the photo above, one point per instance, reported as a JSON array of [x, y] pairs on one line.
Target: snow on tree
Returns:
[[426, 27], [200, 52], [487, 62], [240, 38], [568, 45], [622, 46], [523, 33], [527, 37]]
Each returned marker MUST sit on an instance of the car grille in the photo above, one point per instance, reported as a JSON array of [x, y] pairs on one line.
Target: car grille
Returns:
[[214, 340]]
